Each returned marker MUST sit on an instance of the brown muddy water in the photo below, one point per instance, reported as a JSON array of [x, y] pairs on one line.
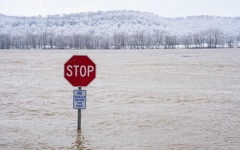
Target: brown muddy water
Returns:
[[141, 99]]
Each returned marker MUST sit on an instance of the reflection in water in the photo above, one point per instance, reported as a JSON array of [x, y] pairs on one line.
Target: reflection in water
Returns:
[[80, 140]]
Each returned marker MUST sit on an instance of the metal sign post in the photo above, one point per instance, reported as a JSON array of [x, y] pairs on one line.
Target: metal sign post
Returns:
[[79, 115], [79, 102]]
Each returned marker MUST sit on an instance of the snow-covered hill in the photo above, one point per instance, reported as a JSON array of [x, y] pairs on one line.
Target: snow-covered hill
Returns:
[[108, 23]]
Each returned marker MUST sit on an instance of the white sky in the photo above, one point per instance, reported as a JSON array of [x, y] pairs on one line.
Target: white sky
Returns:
[[164, 8]]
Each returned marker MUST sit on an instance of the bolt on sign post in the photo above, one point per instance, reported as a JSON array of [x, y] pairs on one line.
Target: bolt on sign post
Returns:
[[80, 71]]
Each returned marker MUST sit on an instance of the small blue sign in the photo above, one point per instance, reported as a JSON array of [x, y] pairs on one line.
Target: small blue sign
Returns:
[[79, 99]]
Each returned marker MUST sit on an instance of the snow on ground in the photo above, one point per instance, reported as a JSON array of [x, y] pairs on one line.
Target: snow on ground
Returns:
[[141, 99]]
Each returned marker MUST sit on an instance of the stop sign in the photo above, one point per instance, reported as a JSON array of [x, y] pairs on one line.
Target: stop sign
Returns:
[[79, 70]]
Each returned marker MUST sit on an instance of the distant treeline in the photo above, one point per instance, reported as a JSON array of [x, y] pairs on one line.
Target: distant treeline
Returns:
[[211, 38]]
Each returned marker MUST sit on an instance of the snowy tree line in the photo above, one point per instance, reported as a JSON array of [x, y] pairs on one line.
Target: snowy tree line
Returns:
[[48, 39], [117, 30]]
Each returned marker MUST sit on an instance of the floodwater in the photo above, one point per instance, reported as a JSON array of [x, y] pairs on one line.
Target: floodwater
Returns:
[[141, 99]]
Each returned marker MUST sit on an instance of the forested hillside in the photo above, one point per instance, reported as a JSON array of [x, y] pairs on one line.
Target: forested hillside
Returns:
[[117, 29]]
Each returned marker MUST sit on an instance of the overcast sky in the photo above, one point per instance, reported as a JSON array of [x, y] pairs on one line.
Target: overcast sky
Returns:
[[164, 8]]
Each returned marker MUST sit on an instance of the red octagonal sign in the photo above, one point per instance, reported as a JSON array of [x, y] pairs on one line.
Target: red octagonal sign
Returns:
[[79, 70]]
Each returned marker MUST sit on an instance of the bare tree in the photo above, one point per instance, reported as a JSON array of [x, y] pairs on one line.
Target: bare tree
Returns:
[[149, 41], [123, 39], [187, 40], [21, 42], [202, 36], [96, 42], [105, 43], [51, 38], [159, 35], [142, 39], [170, 42], [69, 41], [238, 40], [218, 37], [136, 38], [131, 41], [33, 39], [3, 41], [43, 37], [230, 41], [76, 41], [197, 40], [88, 40], [210, 38], [59, 41], [28, 40], [117, 40], [39, 41]]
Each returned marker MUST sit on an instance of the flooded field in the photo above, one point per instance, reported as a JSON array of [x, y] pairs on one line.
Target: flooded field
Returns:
[[141, 99]]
